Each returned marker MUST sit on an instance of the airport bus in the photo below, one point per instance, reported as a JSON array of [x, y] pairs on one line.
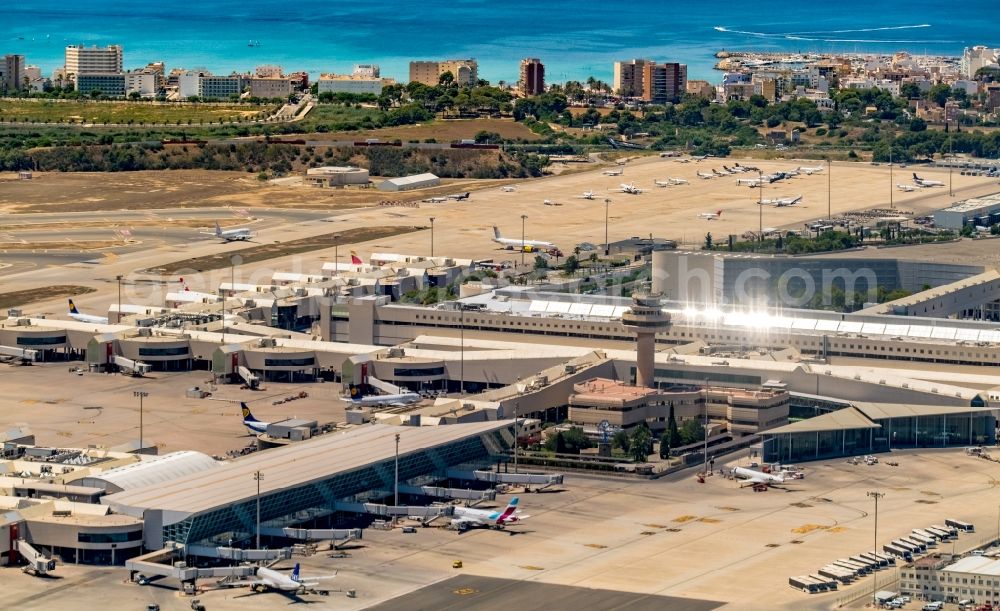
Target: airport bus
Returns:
[[837, 572], [806, 584], [950, 530], [889, 559], [960, 525], [898, 551], [920, 545], [926, 534], [880, 561], [873, 565], [859, 569]]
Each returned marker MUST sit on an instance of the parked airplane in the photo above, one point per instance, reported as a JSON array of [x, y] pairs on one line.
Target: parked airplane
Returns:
[[358, 397], [699, 157], [254, 425], [706, 175], [752, 477], [516, 244], [270, 579], [508, 189], [923, 182], [710, 216], [435, 200], [629, 188], [782, 201], [467, 517], [749, 182], [89, 318], [670, 182], [907, 188], [587, 195], [617, 172], [745, 168], [460, 196], [549, 202], [231, 235], [809, 171], [718, 173]]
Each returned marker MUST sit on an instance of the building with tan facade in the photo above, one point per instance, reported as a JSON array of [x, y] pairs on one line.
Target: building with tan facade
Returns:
[[464, 71]]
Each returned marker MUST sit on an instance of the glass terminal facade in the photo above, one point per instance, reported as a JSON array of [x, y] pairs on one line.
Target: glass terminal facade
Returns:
[[291, 506], [972, 427]]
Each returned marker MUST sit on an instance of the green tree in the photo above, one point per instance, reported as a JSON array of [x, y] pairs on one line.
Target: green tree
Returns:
[[620, 439], [447, 79], [541, 262], [641, 443], [708, 241], [692, 431], [571, 265], [673, 436], [575, 440]]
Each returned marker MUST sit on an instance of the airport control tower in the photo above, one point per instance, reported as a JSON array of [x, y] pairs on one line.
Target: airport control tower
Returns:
[[645, 318]]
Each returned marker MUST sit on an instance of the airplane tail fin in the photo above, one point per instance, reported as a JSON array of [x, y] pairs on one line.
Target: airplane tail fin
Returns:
[[718, 213], [355, 260], [915, 177], [72, 308], [247, 416], [218, 230], [356, 391], [496, 232], [295, 573], [509, 510]]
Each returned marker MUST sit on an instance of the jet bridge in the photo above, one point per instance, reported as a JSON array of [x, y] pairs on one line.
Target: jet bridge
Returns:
[[136, 369], [252, 381], [542, 480], [450, 493], [38, 562], [415, 511], [26, 355], [160, 563], [339, 536]]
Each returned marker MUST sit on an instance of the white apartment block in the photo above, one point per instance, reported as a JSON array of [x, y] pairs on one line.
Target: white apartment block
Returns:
[[974, 578], [366, 70], [349, 83], [90, 60], [974, 58], [145, 83]]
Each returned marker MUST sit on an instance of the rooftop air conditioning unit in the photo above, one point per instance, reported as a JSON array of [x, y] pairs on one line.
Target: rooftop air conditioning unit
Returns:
[[145, 332]]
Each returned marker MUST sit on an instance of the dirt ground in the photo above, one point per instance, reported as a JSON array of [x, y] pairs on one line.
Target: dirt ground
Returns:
[[153, 190], [441, 131], [273, 251], [16, 298]]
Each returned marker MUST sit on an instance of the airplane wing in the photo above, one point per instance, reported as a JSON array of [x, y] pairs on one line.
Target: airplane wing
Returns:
[[245, 583]]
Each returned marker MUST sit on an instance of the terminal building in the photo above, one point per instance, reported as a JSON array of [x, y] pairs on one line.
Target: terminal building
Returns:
[[124, 505], [720, 279], [948, 580], [978, 212]]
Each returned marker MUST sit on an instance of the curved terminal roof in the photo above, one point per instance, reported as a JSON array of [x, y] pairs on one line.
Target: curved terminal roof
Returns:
[[152, 471]]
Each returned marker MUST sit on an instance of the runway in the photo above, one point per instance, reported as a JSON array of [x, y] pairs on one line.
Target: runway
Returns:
[[474, 593]]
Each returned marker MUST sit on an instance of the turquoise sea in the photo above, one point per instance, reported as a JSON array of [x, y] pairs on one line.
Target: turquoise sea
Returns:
[[574, 39]]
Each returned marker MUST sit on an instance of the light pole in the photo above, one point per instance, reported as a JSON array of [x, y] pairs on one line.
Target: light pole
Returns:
[[336, 254], [461, 350], [395, 482], [607, 248], [829, 188], [875, 495], [257, 476], [432, 236], [118, 318], [951, 158], [891, 204], [524, 217], [141, 394], [516, 431], [760, 206]]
